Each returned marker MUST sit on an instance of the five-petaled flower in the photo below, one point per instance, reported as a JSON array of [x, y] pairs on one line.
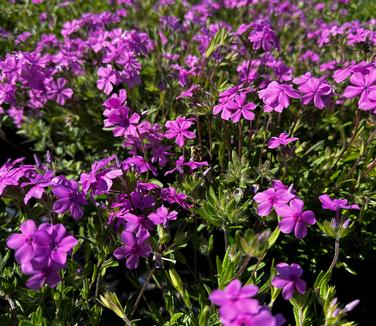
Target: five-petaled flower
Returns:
[[335, 204], [134, 248], [162, 216], [294, 218], [289, 279], [178, 129], [282, 140]]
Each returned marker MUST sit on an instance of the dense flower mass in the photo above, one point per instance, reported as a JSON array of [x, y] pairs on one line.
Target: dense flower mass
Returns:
[[159, 157], [238, 308], [42, 252]]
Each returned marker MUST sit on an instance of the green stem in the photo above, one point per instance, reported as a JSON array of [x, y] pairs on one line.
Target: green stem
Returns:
[[139, 297]]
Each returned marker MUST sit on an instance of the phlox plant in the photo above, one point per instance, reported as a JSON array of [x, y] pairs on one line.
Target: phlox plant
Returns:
[[202, 163]]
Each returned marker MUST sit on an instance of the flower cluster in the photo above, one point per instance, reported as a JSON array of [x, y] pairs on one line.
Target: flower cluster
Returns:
[[42, 252], [237, 306], [288, 206]]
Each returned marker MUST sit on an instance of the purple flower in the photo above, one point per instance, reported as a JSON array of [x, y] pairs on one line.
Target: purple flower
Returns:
[[171, 196], [57, 92], [133, 249], [117, 114], [335, 204], [289, 279], [239, 109], [99, 179], [178, 129], [317, 91], [107, 79], [276, 96], [231, 101], [283, 139], [294, 218], [262, 36], [138, 224], [162, 216], [138, 164], [53, 245], [42, 252], [189, 92], [39, 183], [271, 198], [69, 198], [362, 84], [180, 163], [234, 299], [10, 173], [46, 274], [23, 242]]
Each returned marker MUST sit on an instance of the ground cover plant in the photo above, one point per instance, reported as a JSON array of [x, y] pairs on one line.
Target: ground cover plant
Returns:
[[187, 162]]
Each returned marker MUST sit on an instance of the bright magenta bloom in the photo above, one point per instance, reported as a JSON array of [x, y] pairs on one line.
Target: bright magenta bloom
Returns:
[[294, 218], [162, 216], [178, 129], [317, 91], [233, 298], [107, 79], [276, 96], [23, 242], [335, 204], [288, 279], [133, 249], [283, 139], [362, 85], [271, 198]]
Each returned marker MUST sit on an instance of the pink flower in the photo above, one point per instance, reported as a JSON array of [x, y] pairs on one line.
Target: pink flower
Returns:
[[227, 104], [133, 249], [271, 198], [335, 204], [276, 96], [283, 139], [178, 129], [317, 91], [162, 216], [108, 78], [294, 218], [239, 109], [57, 92], [288, 279], [362, 85], [233, 298], [23, 242]]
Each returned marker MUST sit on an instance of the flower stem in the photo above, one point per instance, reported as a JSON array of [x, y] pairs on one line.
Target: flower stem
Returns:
[[243, 267], [336, 253], [151, 273]]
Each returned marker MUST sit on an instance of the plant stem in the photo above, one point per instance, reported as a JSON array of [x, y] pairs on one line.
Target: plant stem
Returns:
[[336, 253], [240, 140], [243, 267], [225, 238], [355, 133], [127, 321], [151, 273], [259, 260]]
